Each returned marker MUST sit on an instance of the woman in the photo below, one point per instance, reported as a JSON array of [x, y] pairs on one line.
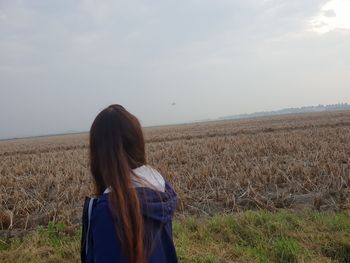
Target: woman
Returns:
[[131, 218]]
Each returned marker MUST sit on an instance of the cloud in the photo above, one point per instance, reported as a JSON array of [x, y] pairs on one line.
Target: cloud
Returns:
[[333, 15], [329, 13]]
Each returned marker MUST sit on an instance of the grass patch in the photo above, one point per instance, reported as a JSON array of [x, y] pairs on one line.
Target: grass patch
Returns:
[[259, 236]]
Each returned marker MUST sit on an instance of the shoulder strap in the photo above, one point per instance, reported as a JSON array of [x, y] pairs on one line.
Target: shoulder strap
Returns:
[[91, 202], [86, 219]]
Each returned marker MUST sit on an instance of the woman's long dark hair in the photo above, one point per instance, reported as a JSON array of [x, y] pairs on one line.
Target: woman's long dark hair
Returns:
[[116, 147]]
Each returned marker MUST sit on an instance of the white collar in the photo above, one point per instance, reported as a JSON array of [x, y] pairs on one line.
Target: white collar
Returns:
[[149, 174]]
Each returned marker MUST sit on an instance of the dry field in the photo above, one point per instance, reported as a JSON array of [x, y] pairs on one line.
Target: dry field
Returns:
[[297, 161]]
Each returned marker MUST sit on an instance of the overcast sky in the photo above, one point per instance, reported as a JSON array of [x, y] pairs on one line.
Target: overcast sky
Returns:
[[61, 62]]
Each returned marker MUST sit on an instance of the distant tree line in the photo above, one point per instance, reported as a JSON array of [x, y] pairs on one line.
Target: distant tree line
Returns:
[[306, 109]]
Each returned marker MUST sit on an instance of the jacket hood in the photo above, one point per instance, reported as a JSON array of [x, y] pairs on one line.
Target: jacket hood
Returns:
[[157, 205]]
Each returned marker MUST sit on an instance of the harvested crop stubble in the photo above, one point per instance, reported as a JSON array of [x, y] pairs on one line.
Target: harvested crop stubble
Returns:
[[293, 161]]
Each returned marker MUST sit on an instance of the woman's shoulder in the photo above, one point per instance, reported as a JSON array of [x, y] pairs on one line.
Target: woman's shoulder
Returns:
[[100, 207]]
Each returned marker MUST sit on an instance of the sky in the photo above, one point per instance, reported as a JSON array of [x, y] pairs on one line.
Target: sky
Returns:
[[61, 62]]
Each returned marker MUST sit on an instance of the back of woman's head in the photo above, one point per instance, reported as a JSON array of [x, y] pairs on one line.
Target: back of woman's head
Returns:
[[116, 147]]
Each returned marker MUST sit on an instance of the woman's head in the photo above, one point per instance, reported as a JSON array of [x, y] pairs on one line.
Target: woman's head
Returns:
[[116, 147], [115, 134]]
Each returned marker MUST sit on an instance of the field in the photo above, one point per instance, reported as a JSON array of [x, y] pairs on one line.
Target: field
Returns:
[[291, 162], [229, 166]]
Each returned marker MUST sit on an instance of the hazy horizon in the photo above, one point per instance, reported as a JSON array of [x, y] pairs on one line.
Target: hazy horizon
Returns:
[[216, 119], [61, 62]]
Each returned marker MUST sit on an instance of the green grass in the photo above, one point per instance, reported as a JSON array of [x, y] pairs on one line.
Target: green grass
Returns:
[[259, 236]]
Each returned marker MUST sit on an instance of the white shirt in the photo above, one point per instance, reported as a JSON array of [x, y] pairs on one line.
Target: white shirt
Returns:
[[150, 175]]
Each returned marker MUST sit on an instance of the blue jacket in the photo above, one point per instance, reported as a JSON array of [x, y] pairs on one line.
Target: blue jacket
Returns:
[[99, 242]]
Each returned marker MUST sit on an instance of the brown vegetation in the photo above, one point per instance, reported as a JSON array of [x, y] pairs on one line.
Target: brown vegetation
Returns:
[[281, 162]]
